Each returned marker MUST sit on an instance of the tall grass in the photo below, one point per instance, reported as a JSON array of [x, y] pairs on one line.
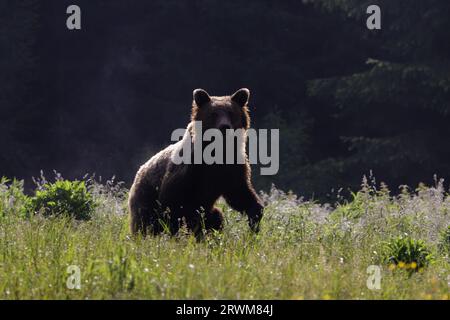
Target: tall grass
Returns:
[[305, 250]]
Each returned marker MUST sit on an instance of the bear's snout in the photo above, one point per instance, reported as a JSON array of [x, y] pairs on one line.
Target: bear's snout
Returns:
[[223, 124], [224, 127]]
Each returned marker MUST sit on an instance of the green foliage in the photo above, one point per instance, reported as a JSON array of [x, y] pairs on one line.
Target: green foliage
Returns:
[[445, 240], [353, 209], [300, 252], [363, 200], [65, 198], [407, 253], [12, 198]]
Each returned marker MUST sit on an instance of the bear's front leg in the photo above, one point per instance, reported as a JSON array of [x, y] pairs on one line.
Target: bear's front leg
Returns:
[[242, 197]]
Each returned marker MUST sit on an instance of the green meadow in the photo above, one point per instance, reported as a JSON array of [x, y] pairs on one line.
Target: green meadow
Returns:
[[305, 250]]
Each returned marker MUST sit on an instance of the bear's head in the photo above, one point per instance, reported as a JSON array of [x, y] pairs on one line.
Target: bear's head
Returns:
[[227, 112]]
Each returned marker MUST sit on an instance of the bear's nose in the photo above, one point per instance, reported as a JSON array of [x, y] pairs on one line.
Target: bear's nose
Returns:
[[224, 127]]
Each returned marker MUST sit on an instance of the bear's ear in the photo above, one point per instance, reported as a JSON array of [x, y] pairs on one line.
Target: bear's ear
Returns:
[[201, 97], [241, 97]]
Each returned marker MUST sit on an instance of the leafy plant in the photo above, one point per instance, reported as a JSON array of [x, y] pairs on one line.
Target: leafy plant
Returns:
[[407, 253], [353, 209], [12, 198], [445, 241], [63, 197]]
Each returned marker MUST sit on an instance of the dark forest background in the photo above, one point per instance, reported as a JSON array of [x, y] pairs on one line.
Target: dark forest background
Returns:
[[347, 100]]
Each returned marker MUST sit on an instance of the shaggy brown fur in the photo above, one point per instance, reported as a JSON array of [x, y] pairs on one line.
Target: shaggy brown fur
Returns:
[[166, 194]]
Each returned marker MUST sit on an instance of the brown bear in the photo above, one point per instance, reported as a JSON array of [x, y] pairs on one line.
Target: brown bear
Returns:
[[167, 195]]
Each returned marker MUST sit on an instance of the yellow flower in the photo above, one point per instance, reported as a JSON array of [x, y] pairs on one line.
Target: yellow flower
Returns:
[[413, 265], [401, 264], [445, 297], [326, 297], [392, 266]]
